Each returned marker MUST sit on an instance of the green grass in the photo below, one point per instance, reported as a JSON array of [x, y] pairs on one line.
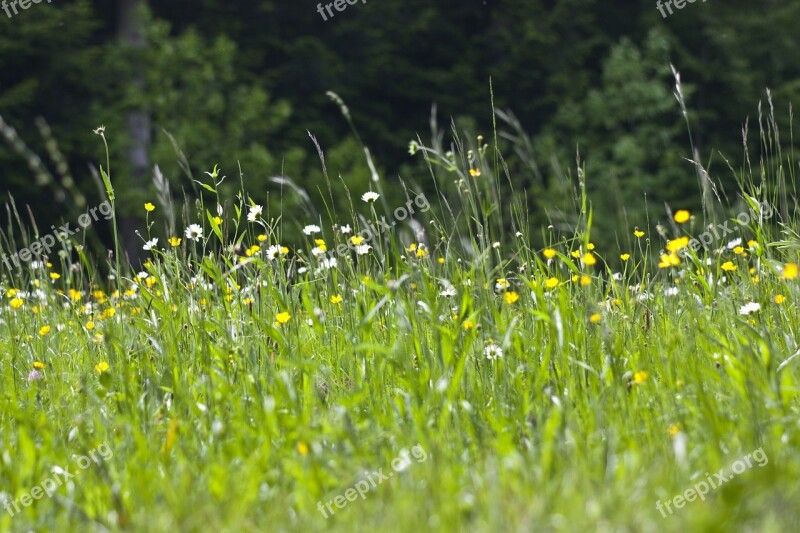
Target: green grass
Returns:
[[612, 393]]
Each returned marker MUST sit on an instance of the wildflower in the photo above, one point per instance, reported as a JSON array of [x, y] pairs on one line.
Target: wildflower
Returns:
[[595, 318], [250, 252], [474, 172], [275, 250], [412, 247], [217, 221], [448, 291], [356, 240], [321, 247], [638, 234], [421, 252], [468, 325], [682, 216], [510, 297], [779, 299], [640, 377], [492, 352], [752, 244], [38, 365], [669, 260], [336, 299], [440, 260], [16, 303], [671, 291], [175, 241], [311, 229], [302, 448], [34, 375], [370, 196], [551, 283], [585, 280], [739, 250], [502, 284], [789, 271], [575, 253], [90, 325], [54, 275], [255, 212], [149, 245], [549, 253], [346, 229], [588, 259], [194, 232], [283, 318], [734, 243], [677, 244], [363, 249], [101, 367], [149, 207], [728, 266], [327, 263], [44, 330], [625, 257], [674, 429], [749, 308]]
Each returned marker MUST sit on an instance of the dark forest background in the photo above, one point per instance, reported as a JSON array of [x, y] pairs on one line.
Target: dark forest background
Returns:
[[241, 84]]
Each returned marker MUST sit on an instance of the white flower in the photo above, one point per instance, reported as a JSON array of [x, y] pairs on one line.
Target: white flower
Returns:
[[748, 308], [363, 249], [734, 243], [142, 275], [519, 234], [448, 291], [302, 270], [274, 251], [501, 285], [194, 232], [311, 229], [317, 251], [617, 276], [149, 245], [370, 196], [328, 263], [255, 212], [672, 291], [345, 230], [492, 352], [495, 245]]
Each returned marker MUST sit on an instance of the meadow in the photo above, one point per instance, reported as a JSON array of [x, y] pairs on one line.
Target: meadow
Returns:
[[444, 373]]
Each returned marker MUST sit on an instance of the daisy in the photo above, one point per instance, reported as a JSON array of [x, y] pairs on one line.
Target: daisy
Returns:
[[492, 352], [448, 291], [370, 196], [275, 250], [149, 245], [748, 308], [311, 229], [194, 232], [345, 230], [734, 243], [255, 212]]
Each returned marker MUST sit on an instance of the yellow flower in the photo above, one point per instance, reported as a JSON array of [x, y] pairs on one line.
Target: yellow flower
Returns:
[[595, 318], [44, 330], [302, 448], [575, 278], [638, 234], [789, 271], [421, 252], [739, 250], [551, 283], [589, 259], [336, 299], [441, 260], [752, 244], [283, 317], [16, 303], [682, 216], [38, 365], [586, 280], [90, 325], [575, 253], [217, 221], [412, 247], [590, 246], [640, 377], [474, 172], [149, 207], [262, 238], [356, 240], [549, 253], [779, 299], [510, 297], [669, 260], [468, 325], [54, 275], [12, 292], [625, 257], [101, 367], [728, 266], [250, 252], [674, 429], [677, 244]]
